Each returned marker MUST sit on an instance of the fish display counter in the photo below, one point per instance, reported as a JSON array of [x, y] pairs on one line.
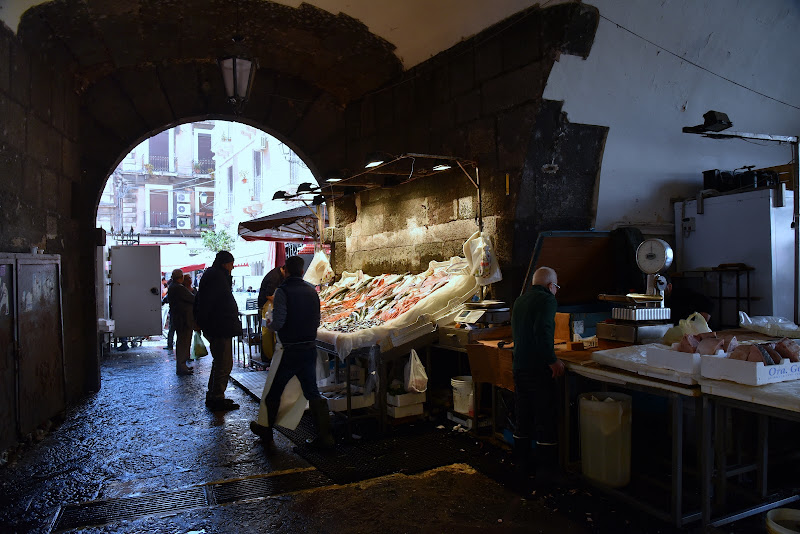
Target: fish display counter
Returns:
[[391, 310]]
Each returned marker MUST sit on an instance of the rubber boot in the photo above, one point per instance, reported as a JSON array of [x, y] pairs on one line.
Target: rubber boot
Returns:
[[548, 470], [266, 432], [324, 439], [523, 462]]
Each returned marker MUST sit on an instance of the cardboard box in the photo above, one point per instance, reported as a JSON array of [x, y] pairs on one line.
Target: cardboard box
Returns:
[[404, 411], [750, 373], [405, 399], [668, 358]]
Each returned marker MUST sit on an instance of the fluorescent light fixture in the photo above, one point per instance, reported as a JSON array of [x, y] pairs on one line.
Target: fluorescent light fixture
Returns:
[[333, 180], [441, 167], [376, 158]]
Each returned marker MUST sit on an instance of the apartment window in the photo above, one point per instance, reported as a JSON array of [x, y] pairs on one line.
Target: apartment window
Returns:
[[230, 188], [256, 175], [205, 157], [159, 152]]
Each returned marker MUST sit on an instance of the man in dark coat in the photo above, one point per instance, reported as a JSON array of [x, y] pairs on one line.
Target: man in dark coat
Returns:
[[536, 369], [217, 314], [295, 317], [181, 302]]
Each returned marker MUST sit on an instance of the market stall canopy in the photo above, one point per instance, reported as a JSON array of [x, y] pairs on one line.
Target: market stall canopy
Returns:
[[296, 225]]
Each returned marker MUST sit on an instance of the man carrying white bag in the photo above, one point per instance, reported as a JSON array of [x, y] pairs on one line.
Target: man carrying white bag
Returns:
[[292, 375]]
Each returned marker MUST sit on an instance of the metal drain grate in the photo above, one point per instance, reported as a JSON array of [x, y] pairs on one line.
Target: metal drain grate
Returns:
[[252, 488], [101, 512]]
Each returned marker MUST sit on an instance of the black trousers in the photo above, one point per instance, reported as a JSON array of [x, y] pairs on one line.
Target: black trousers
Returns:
[[536, 396]]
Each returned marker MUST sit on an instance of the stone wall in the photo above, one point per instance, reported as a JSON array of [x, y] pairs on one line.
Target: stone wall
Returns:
[[482, 101], [42, 199]]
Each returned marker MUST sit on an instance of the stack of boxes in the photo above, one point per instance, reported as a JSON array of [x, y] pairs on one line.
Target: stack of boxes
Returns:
[[405, 404]]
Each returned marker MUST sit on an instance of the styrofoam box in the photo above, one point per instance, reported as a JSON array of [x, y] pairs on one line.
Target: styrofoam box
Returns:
[[404, 411], [667, 358], [405, 399], [750, 373], [337, 402]]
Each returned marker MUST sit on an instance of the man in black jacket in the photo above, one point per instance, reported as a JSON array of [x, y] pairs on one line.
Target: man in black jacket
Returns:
[[295, 317], [217, 314]]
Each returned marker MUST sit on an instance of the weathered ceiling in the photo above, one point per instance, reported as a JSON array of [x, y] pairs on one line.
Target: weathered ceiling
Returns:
[[418, 29]]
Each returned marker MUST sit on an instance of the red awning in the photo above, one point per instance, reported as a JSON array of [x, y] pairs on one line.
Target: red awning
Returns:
[[195, 267]]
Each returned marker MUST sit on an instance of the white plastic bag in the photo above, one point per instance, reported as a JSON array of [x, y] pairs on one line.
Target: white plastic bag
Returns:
[[482, 259], [319, 270], [416, 378], [694, 324]]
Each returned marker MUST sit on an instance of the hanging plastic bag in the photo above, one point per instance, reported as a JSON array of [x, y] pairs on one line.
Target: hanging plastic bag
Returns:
[[198, 347], [415, 375], [319, 270], [482, 259]]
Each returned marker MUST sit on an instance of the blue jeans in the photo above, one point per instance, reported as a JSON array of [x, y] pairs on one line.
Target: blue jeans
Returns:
[[536, 397], [301, 363]]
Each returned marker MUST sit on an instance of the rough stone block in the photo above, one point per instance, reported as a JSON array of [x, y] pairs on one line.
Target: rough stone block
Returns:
[[11, 173], [515, 87], [427, 252], [14, 123], [41, 98], [5, 58], [513, 133], [524, 42], [20, 80], [462, 73], [488, 59], [468, 107], [32, 183], [70, 160]]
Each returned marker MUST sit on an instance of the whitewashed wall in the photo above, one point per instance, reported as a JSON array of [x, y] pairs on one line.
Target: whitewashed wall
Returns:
[[645, 96]]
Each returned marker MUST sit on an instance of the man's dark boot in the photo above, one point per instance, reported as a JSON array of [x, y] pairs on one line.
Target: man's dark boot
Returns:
[[324, 439], [523, 464], [266, 432], [548, 470]]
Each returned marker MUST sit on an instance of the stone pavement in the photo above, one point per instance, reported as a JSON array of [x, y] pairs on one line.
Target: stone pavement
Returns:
[[146, 451]]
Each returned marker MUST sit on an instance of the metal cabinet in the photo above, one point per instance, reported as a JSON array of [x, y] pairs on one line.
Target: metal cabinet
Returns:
[[32, 379]]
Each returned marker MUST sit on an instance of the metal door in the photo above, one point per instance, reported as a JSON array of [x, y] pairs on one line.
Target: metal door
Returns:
[[135, 290], [8, 373], [41, 359]]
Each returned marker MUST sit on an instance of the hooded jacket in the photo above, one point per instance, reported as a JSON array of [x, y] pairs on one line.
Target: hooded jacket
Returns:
[[215, 309]]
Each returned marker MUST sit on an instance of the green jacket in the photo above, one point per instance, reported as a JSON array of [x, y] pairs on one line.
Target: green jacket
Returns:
[[533, 325]]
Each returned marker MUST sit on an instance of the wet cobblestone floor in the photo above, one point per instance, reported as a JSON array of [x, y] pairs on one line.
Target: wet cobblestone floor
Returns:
[[147, 431]]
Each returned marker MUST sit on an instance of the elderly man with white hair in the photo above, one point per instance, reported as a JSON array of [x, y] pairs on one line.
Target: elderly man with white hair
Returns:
[[536, 369]]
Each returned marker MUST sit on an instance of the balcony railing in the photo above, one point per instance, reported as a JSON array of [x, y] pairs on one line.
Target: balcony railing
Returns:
[[158, 164], [203, 166], [161, 220]]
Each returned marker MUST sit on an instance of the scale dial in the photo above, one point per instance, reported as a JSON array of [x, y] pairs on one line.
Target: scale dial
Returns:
[[654, 256]]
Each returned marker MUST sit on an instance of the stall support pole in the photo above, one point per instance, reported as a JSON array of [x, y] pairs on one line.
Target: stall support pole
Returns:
[[796, 224]]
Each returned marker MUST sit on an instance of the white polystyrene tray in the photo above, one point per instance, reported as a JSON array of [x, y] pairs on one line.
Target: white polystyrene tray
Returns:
[[749, 373]]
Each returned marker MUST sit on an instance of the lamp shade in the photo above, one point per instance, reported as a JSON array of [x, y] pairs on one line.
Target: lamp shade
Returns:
[[237, 76], [318, 199], [279, 195], [305, 187]]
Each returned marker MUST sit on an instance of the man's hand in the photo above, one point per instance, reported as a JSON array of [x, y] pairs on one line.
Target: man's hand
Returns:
[[557, 368]]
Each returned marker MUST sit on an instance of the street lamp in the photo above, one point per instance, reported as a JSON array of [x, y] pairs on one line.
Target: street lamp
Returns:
[[237, 75]]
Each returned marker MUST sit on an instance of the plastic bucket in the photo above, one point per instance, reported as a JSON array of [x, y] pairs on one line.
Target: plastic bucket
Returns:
[[783, 521], [606, 437], [462, 395]]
